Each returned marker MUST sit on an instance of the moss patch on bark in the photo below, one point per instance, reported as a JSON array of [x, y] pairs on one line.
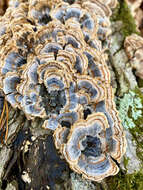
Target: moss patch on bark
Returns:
[[122, 13], [124, 181]]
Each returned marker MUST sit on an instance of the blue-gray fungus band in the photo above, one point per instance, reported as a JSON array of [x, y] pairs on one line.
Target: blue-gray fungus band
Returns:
[[53, 66]]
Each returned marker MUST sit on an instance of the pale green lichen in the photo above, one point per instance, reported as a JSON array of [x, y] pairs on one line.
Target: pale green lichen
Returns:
[[131, 113], [130, 109]]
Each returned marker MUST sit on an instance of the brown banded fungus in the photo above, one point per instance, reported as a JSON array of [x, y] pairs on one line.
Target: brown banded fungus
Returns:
[[53, 66], [134, 49], [86, 148]]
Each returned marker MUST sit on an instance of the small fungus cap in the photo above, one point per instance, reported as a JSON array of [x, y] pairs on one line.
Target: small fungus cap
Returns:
[[134, 49]]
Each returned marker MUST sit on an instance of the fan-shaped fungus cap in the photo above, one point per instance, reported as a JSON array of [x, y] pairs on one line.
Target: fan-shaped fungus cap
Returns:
[[86, 149], [60, 136], [92, 87], [134, 49], [87, 21], [133, 43], [11, 60], [65, 118], [9, 87], [39, 11], [115, 135], [102, 12]]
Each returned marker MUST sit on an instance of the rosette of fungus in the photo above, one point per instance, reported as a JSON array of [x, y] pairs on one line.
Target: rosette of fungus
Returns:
[[94, 144], [102, 11], [134, 49], [86, 147], [89, 15], [53, 67]]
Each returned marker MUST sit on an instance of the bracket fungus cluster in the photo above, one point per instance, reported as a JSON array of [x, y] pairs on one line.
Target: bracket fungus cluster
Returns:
[[53, 66], [134, 50]]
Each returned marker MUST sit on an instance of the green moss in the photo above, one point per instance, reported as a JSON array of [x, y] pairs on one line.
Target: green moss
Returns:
[[122, 13], [140, 82], [126, 161], [124, 181], [131, 113]]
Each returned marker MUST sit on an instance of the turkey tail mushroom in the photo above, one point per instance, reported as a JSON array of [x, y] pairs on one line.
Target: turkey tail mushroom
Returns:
[[53, 67], [85, 147], [134, 49]]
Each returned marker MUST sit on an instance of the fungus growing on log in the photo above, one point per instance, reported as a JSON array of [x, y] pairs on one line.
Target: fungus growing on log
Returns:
[[87, 149], [134, 48], [53, 67]]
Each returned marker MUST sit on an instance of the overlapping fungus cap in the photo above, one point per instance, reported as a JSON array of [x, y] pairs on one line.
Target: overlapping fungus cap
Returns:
[[39, 10], [52, 66], [134, 49], [103, 12], [86, 147], [89, 14], [115, 134], [94, 144], [87, 22], [55, 69]]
